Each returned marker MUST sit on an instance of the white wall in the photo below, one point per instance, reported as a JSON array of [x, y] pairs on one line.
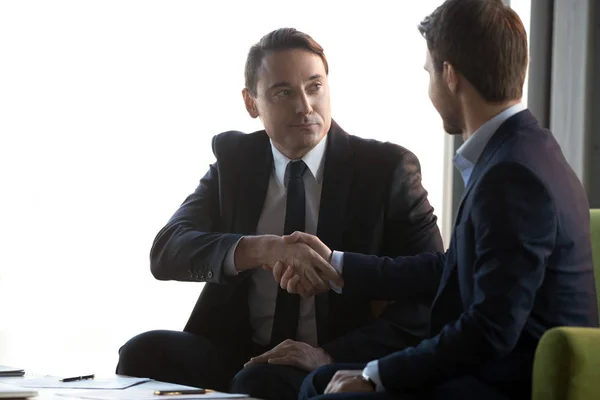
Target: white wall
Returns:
[[107, 109]]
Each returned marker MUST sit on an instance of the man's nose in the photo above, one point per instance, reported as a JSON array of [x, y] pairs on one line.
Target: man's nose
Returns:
[[303, 105]]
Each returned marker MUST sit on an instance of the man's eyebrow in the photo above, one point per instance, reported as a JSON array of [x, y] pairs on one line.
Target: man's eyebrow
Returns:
[[279, 84], [286, 84]]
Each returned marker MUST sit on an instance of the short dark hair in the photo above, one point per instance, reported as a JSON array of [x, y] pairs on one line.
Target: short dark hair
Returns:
[[484, 40], [278, 40]]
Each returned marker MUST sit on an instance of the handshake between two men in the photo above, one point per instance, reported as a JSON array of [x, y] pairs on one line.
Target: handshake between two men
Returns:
[[301, 264], [304, 267]]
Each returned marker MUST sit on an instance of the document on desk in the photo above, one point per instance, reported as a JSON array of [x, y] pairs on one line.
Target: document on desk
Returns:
[[53, 382], [146, 395], [9, 371]]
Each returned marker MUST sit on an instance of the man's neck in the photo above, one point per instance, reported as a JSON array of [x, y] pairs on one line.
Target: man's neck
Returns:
[[478, 113]]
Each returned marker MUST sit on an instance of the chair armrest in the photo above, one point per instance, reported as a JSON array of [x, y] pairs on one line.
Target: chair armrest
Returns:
[[567, 364]]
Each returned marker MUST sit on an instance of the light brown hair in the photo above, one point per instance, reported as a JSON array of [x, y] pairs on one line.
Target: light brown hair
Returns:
[[484, 40]]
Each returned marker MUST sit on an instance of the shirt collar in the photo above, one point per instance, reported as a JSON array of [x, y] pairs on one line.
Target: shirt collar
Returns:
[[313, 160], [472, 149]]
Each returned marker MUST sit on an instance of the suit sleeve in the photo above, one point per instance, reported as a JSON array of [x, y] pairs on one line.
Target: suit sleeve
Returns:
[[514, 228], [392, 279], [189, 248], [411, 226]]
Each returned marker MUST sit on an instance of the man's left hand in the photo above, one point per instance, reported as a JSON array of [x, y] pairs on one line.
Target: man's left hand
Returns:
[[295, 354], [349, 381]]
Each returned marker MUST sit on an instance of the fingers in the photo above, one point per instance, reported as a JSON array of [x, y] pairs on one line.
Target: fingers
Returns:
[[307, 280], [295, 237], [333, 384], [263, 358], [316, 282], [278, 270], [290, 281], [285, 278], [285, 360], [304, 286], [312, 241], [324, 269], [282, 350], [327, 272], [336, 382], [292, 285], [315, 273]]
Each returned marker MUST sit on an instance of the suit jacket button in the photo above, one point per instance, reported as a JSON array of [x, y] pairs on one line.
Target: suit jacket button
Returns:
[[210, 274]]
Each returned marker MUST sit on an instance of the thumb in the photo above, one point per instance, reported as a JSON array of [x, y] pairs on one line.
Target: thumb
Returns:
[[329, 272], [293, 238], [336, 278]]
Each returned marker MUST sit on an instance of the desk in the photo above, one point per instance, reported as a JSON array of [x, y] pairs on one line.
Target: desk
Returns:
[[53, 394]]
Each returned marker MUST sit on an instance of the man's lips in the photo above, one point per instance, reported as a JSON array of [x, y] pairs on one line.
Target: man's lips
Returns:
[[304, 125]]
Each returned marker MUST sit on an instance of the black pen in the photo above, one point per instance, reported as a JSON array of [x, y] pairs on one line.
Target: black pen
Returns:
[[77, 378], [179, 392]]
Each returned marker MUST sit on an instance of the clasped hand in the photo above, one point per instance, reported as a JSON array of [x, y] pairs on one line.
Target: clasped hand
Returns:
[[304, 266]]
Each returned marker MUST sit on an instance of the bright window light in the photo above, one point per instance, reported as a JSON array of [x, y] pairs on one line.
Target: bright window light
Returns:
[[107, 110]]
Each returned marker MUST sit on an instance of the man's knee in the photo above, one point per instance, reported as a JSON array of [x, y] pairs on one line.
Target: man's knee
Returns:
[[268, 381], [249, 378], [138, 356]]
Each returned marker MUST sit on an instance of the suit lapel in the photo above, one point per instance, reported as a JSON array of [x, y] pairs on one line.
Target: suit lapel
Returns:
[[509, 126], [337, 177], [254, 172]]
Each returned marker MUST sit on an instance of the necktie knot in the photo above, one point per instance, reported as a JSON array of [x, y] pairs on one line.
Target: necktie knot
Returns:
[[296, 169]]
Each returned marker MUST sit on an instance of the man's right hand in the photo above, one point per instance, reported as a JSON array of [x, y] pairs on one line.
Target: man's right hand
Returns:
[[290, 279], [309, 271], [304, 271]]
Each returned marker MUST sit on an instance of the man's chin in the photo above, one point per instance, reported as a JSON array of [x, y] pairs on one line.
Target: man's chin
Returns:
[[453, 130]]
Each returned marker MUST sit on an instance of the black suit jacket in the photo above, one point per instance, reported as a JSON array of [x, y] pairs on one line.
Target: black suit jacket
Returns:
[[372, 202], [519, 263]]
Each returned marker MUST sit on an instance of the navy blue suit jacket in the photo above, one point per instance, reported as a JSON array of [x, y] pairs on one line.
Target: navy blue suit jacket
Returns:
[[518, 264]]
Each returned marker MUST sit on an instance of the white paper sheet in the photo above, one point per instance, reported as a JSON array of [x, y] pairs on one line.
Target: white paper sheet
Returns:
[[15, 392], [53, 382], [146, 395]]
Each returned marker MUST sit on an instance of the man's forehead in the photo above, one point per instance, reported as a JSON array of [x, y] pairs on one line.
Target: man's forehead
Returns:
[[290, 65]]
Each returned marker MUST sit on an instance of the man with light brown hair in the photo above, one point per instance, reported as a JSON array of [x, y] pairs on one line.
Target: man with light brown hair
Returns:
[[519, 261]]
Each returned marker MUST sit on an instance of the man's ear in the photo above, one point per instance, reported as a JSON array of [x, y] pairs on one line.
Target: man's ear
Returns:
[[250, 102], [450, 77]]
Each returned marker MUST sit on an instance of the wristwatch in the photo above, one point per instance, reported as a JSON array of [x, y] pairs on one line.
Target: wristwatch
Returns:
[[368, 379]]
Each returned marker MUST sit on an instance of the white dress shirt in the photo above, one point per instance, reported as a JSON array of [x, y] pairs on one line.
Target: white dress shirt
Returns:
[[470, 151], [262, 294], [465, 159]]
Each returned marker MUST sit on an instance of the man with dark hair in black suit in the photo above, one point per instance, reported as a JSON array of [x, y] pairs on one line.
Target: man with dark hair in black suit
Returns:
[[301, 173]]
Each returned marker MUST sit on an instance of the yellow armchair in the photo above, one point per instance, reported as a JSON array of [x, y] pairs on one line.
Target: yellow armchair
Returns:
[[567, 359]]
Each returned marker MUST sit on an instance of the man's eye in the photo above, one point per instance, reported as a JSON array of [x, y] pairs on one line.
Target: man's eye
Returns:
[[284, 92], [316, 87]]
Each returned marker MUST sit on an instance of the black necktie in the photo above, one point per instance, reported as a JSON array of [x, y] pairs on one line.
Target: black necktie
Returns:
[[287, 308]]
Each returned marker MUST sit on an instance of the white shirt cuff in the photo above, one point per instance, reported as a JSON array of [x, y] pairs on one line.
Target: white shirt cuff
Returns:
[[229, 263], [337, 262], [372, 371]]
